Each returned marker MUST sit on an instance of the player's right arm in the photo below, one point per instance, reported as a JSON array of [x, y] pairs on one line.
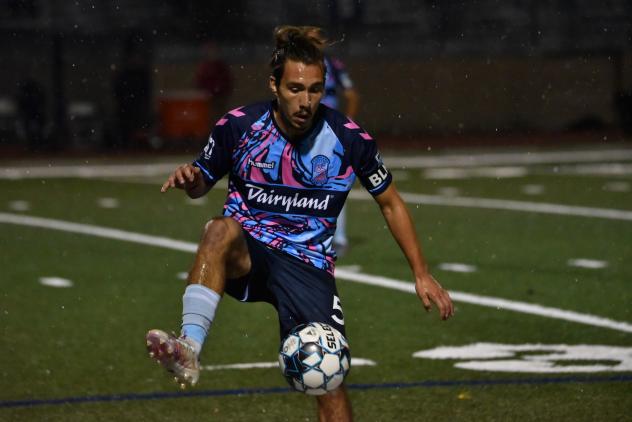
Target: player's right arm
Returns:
[[189, 178], [215, 160]]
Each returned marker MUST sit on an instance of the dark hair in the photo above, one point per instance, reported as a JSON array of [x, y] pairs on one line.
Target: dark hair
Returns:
[[298, 43]]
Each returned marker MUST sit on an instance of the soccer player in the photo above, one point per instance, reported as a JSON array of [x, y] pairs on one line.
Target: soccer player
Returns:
[[290, 163]]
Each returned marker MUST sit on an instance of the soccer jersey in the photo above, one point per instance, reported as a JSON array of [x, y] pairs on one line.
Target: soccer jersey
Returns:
[[337, 77], [288, 194]]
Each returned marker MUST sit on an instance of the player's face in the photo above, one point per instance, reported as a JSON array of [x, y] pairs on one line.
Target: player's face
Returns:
[[298, 95]]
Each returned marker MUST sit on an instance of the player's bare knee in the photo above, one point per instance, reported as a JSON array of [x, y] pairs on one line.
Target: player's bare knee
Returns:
[[219, 234], [208, 224]]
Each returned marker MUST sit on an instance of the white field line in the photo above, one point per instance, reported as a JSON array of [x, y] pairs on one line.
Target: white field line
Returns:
[[97, 231], [406, 162], [252, 365], [354, 362], [88, 171], [504, 204], [598, 169], [492, 302], [385, 282], [514, 158]]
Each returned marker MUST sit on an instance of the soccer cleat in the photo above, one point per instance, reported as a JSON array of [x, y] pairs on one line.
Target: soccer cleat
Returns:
[[176, 355]]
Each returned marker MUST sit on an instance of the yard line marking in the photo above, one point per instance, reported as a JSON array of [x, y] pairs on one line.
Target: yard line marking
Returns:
[[253, 365], [448, 191], [342, 274], [616, 186], [593, 264], [19, 205], [532, 189], [457, 267], [55, 282], [109, 203], [506, 204]]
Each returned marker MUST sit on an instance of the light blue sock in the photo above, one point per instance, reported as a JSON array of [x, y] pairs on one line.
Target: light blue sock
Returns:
[[199, 304]]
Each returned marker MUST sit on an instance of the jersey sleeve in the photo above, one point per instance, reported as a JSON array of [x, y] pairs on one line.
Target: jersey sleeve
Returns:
[[368, 165], [215, 160]]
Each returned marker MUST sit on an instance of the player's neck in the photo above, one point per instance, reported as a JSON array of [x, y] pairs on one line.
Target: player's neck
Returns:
[[286, 128]]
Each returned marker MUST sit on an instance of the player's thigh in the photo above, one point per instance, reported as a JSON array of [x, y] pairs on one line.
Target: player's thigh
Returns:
[[304, 294], [252, 286], [238, 262]]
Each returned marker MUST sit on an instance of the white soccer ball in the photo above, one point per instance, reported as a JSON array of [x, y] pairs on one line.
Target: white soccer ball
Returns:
[[314, 358]]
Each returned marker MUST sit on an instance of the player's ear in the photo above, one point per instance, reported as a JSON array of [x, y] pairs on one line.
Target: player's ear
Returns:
[[273, 85]]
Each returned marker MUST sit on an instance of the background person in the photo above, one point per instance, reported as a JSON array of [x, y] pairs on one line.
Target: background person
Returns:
[[133, 85], [31, 102], [213, 76]]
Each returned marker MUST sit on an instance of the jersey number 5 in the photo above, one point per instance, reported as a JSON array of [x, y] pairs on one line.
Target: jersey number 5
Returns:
[[337, 307]]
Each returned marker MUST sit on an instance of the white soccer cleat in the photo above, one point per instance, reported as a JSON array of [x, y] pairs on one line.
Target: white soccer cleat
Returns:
[[176, 355]]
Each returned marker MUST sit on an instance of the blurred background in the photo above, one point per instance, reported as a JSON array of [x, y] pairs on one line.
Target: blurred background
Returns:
[[154, 74]]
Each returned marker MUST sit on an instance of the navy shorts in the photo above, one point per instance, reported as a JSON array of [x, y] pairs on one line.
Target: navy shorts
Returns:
[[300, 292]]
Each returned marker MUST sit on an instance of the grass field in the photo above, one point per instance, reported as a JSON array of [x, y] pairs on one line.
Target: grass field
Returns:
[[76, 353]]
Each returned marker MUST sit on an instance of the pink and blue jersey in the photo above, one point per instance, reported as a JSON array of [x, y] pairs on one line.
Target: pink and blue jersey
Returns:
[[336, 78], [288, 194]]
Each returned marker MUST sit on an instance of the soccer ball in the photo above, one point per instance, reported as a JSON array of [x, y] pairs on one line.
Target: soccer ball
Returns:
[[314, 358]]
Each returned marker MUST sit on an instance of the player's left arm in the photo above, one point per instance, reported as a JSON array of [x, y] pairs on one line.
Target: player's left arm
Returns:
[[401, 226]]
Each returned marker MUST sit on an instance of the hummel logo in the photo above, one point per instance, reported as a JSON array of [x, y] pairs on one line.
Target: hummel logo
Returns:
[[261, 164]]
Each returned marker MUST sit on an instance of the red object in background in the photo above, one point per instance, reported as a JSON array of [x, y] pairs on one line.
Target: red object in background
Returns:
[[184, 115], [214, 77]]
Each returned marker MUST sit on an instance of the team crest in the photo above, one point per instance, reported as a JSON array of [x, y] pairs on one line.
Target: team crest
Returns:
[[320, 168]]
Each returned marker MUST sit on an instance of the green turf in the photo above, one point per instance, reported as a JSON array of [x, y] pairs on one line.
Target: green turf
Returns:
[[563, 189], [88, 340]]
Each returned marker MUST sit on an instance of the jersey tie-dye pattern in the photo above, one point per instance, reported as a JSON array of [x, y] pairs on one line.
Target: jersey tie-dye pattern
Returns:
[[289, 194]]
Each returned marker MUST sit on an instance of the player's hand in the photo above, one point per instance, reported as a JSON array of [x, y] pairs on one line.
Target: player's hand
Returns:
[[430, 291], [184, 177]]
